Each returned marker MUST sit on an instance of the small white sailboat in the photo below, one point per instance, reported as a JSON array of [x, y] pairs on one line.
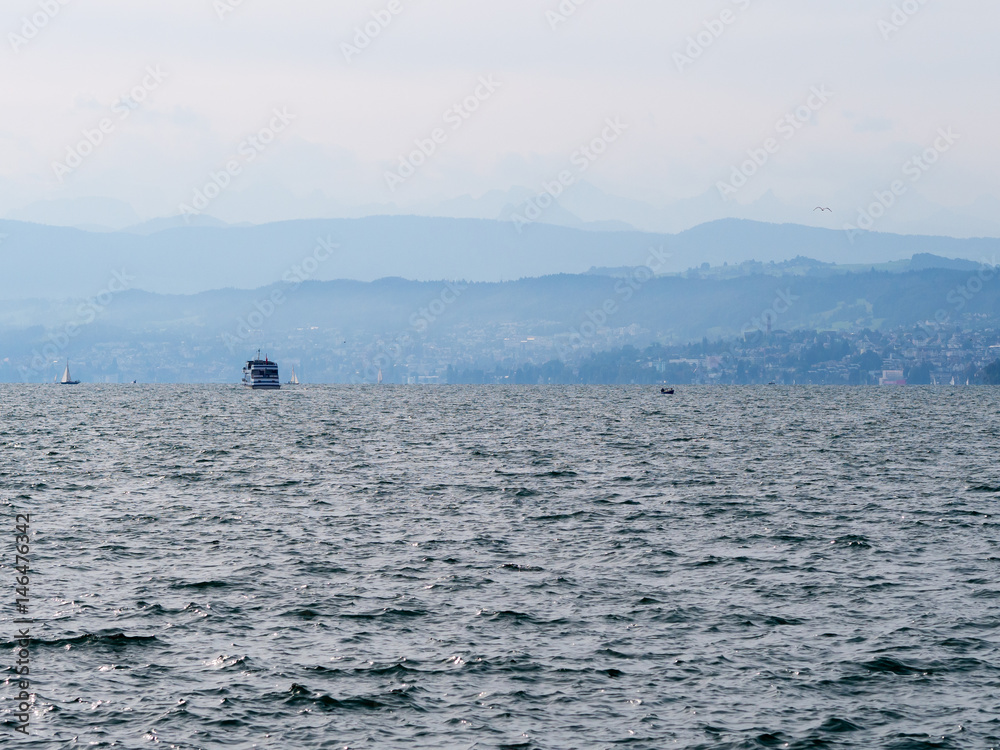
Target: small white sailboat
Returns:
[[294, 380], [67, 379], [380, 376]]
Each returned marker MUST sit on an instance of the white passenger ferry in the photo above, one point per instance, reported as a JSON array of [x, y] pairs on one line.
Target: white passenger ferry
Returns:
[[261, 374]]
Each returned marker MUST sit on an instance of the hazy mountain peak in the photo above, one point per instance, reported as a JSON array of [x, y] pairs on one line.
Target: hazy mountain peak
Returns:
[[89, 213]]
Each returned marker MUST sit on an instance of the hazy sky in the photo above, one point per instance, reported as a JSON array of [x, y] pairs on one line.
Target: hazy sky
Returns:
[[224, 67]]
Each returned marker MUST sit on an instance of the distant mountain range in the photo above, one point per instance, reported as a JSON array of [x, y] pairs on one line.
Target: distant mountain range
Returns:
[[168, 257], [580, 206]]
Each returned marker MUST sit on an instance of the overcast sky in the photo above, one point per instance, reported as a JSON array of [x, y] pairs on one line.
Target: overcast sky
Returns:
[[688, 110]]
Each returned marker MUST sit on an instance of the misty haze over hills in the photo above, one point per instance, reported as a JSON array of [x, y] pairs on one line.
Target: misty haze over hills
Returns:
[[60, 262], [333, 330], [674, 309]]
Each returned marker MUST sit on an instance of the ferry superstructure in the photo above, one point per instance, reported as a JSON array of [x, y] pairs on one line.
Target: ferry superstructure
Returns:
[[261, 374]]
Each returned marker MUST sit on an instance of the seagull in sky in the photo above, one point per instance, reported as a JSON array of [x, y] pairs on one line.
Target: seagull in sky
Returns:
[[823, 208]]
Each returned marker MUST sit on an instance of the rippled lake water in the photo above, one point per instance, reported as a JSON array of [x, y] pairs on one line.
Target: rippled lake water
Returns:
[[488, 567]]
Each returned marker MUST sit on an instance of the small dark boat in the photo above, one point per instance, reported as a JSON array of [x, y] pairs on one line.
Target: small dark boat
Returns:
[[668, 391]]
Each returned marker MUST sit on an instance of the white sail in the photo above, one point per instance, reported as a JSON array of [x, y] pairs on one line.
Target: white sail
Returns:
[[294, 379], [66, 377]]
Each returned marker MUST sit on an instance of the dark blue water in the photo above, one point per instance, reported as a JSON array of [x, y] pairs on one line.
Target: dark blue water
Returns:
[[477, 567]]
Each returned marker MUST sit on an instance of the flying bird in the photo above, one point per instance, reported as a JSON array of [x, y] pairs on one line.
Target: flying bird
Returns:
[[823, 208]]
